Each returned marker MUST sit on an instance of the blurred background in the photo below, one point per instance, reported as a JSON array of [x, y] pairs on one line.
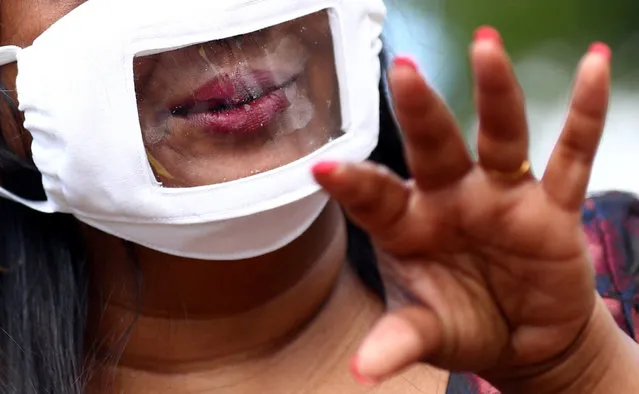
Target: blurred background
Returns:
[[545, 39]]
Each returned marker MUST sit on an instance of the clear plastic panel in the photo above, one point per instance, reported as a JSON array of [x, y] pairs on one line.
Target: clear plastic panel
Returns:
[[229, 109]]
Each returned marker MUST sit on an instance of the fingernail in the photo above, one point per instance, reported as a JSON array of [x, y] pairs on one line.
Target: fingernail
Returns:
[[488, 33], [405, 61], [325, 167], [359, 378], [601, 49]]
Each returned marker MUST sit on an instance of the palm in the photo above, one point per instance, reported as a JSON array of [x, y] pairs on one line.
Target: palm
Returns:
[[493, 259], [508, 278]]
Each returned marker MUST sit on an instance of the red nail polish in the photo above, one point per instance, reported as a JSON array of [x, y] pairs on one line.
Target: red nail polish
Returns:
[[601, 49], [488, 33], [325, 167], [405, 61], [359, 378]]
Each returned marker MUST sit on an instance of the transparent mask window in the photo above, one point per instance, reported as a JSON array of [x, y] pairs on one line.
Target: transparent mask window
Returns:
[[233, 108]]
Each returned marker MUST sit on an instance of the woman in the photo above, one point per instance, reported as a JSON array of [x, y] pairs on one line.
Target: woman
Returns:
[[485, 270]]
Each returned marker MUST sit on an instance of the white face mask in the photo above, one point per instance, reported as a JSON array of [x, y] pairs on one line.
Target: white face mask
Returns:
[[191, 126]]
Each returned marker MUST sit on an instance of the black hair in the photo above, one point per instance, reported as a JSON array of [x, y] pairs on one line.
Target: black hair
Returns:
[[43, 288], [44, 279]]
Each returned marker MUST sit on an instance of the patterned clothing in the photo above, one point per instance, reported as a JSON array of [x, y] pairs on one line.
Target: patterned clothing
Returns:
[[611, 222]]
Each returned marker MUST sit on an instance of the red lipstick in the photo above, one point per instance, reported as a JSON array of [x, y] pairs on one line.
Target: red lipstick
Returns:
[[235, 104]]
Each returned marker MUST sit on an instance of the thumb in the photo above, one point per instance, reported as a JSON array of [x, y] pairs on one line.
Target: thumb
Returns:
[[401, 338]]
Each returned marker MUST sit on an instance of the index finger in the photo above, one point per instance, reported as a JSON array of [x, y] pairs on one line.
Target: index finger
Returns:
[[436, 152]]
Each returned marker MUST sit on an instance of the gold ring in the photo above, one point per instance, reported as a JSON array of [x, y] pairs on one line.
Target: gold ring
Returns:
[[524, 168]]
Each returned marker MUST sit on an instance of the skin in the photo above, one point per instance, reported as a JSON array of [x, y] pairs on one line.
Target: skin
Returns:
[[499, 275], [267, 325], [191, 155], [475, 271]]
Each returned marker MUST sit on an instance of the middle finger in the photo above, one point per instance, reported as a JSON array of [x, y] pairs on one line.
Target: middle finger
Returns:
[[503, 135]]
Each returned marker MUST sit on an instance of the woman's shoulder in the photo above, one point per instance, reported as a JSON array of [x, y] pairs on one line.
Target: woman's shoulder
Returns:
[[611, 225]]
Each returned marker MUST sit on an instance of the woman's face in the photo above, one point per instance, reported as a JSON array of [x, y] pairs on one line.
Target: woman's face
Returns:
[[226, 109]]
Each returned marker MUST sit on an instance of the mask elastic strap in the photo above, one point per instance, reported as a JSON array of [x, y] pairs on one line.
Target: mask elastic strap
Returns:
[[9, 54], [41, 206]]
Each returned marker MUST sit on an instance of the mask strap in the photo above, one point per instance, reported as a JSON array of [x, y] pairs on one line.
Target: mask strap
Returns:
[[40, 206], [9, 54]]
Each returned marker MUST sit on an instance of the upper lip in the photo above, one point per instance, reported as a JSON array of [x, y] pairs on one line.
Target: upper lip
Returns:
[[230, 90]]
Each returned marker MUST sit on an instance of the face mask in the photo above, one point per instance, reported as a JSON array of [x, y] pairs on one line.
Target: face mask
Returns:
[[191, 127]]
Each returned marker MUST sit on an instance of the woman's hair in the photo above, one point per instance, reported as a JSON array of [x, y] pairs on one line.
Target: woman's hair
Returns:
[[43, 289], [44, 280]]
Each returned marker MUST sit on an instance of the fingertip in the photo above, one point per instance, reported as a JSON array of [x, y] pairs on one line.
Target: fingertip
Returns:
[[405, 62], [600, 49], [487, 34], [391, 346], [486, 39], [357, 375], [403, 73], [594, 69], [597, 58], [408, 86], [325, 168], [488, 56]]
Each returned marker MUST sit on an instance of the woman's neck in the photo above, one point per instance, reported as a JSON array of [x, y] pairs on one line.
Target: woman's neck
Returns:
[[180, 316], [283, 323], [308, 357]]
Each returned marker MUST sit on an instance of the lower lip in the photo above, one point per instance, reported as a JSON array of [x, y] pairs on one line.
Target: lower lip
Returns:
[[245, 119]]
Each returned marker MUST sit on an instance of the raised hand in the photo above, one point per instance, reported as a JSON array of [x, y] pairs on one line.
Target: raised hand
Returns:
[[494, 259]]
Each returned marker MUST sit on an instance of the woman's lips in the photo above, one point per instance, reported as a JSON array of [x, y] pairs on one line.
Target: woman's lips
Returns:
[[244, 118], [236, 105]]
